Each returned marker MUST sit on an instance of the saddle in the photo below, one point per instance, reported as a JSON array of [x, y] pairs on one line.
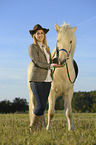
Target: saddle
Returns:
[[76, 68]]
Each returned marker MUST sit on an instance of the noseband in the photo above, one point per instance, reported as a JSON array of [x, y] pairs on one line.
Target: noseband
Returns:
[[57, 50], [65, 51]]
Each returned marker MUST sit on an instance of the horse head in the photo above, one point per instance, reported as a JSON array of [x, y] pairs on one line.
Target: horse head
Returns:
[[66, 42]]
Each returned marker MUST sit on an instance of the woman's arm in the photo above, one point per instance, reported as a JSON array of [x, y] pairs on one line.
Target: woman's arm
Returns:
[[33, 53]]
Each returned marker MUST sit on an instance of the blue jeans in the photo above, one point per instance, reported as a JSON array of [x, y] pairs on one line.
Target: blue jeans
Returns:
[[41, 92]]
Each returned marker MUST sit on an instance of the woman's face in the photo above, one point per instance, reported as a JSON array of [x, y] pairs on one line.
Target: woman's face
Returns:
[[39, 35]]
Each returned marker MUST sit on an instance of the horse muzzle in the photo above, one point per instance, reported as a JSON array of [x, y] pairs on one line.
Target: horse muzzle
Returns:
[[61, 62]]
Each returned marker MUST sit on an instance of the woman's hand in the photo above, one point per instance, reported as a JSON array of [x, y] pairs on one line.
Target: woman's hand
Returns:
[[57, 65]]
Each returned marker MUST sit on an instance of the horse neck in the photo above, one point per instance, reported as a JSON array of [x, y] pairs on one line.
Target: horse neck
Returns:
[[72, 53], [53, 54], [71, 68], [73, 46]]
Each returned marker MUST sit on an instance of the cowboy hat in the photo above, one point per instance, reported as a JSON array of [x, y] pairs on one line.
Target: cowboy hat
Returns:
[[38, 27]]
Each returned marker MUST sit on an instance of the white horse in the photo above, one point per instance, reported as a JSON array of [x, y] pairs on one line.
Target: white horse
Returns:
[[64, 77]]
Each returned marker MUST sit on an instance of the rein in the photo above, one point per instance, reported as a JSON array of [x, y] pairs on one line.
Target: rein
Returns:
[[57, 50], [69, 74]]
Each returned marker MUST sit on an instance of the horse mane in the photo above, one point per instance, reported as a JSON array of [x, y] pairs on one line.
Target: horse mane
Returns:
[[65, 25]]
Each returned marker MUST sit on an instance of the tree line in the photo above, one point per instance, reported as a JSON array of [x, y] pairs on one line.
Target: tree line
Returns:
[[81, 102], [18, 105]]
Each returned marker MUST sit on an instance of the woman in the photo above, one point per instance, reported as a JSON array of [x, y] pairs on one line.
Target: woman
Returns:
[[41, 74]]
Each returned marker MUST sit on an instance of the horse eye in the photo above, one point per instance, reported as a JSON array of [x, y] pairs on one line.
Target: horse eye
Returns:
[[70, 41]]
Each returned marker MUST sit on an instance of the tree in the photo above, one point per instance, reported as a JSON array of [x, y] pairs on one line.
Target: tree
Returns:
[[84, 101], [59, 104], [19, 105], [5, 106]]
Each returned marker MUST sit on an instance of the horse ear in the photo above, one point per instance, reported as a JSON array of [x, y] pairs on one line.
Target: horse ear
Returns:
[[57, 27], [74, 29]]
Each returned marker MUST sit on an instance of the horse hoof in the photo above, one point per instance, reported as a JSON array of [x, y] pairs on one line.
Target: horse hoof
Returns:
[[47, 128]]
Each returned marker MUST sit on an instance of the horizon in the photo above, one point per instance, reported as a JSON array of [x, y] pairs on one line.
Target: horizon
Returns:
[[57, 97]]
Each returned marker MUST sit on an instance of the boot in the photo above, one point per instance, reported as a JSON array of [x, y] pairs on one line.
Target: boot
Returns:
[[41, 121], [37, 122], [34, 121], [44, 121]]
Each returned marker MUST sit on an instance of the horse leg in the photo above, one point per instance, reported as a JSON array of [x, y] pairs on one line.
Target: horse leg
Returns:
[[68, 110], [51, 110], [31, 106]]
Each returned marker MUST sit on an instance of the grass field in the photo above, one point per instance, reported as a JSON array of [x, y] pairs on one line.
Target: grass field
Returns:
[[14, 130]]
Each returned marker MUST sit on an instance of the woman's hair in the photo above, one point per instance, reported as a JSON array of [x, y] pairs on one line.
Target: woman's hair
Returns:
[[44, 41]]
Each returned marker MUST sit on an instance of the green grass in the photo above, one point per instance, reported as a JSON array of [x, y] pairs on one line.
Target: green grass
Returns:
[[14, 130]]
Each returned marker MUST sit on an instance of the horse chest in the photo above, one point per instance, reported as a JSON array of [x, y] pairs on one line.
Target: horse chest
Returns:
[[61, 82]]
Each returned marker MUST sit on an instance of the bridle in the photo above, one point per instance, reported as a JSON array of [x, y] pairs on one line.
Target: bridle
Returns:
[[65, 62], [62, 49]]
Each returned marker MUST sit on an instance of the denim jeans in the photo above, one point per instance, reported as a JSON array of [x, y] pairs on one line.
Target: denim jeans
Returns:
[[41, 92]]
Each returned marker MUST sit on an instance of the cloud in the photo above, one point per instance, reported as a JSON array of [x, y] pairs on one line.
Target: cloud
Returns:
[[88, 20]]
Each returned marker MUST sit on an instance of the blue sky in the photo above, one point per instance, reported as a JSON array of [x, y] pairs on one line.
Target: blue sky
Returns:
[[18, 17]]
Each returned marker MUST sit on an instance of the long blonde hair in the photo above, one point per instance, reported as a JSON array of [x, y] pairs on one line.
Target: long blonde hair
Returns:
[[44, 41]]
